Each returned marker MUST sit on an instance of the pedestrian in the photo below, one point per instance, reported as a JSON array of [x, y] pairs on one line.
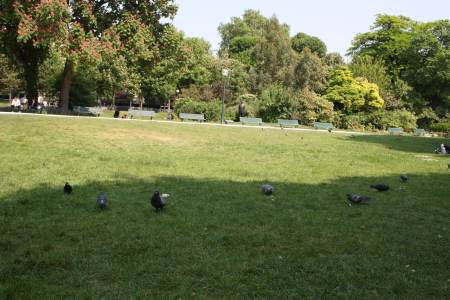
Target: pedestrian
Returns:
[[242, 110]]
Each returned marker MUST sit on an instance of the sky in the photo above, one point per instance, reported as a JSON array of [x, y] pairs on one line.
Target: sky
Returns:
[[334, 22]]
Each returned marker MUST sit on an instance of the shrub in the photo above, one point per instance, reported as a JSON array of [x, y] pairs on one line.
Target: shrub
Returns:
[[381, 119], [276, 102], [211, 109], [441, 127]]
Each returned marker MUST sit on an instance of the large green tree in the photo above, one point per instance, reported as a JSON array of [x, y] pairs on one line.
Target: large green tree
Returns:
[[417, 53], [301, 40]]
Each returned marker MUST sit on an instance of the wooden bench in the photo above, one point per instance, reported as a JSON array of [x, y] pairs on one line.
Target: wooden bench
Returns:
[[197, 117], [285, 123], [395, 131], [81, 110], [141, 113], [257, 121], [320, 125]]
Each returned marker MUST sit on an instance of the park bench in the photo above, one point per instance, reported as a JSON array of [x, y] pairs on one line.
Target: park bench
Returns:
[[285, 123], [257, 121], [81, 110], [320, 125], [197, 117], [395, 131], [141, 113], [420, 132]]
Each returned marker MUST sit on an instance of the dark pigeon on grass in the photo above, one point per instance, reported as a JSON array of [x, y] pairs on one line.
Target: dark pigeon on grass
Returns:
[[330, 130], [67, 188], [267, 189], [381, 187], [357, 199], [101, 201], [159, 201], [404, 178]]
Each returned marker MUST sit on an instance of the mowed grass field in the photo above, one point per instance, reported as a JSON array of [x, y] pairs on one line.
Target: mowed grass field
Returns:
[[219, 237]]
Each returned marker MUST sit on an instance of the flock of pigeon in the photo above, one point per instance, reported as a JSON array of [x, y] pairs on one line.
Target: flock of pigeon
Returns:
[[158, 201], [267, 189]]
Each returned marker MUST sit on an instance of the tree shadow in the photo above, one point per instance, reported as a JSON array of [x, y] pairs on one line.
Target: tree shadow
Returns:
[[402, 143], [225, 239]]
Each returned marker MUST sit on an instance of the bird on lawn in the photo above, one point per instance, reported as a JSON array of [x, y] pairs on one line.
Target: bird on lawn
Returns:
[[101, 201], [267, 189], [357, 199], [330, 130], [404, 178], [159, 201], [67, 188], [381, 187]]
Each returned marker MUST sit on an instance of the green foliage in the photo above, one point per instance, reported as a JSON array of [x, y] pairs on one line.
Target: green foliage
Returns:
[[301, 41], [10, 81], [311, 107], [310, 72], [251, 104], [211, 109], [277, 102], [199, 63], [417, 53], [426, 118], [333, 60], [350, 94], [274, 57], [381, 120], [244, 29], [441, 127]]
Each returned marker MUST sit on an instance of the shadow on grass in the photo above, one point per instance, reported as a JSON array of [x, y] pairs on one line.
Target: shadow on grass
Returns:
[[403, 143], [224, 239]]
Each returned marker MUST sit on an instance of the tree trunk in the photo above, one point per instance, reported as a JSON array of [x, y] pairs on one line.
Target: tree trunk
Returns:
[[31, 78], [65, 88]]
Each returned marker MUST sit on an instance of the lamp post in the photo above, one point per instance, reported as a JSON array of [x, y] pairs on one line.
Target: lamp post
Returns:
[[225, 73]]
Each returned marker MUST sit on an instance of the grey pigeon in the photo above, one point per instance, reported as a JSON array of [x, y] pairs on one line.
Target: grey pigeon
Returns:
[[67, 188], [404, 178], [267, 189], [101, 200], [330, 129], [381, 187], [357, 199], [159, 201]]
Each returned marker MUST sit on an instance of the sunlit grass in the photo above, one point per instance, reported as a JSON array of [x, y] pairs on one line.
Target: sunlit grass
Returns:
[[219, 236]]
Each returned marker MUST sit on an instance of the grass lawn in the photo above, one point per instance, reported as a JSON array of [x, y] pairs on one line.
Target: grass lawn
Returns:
[[219, 237]]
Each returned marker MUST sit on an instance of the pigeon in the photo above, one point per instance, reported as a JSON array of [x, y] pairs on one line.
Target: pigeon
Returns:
[[357, 199], [101, 200], [404, 178], [159, 201], [330, 129], [380, 187], [67, 188], [267, 189]]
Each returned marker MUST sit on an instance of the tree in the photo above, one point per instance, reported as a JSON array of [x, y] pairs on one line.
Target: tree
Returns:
[[350, 94], [333, 60], [301, 41], [10, 81], [310, 72], [250, 26], [199, 63], [274, 57], [28, 29]]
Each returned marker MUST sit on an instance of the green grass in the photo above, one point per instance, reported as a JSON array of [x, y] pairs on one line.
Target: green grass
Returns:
[[219, 237]]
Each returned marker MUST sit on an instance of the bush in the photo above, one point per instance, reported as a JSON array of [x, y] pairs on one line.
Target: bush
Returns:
[[211, 109], [441, 127], [276, 102], [381, 120]]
